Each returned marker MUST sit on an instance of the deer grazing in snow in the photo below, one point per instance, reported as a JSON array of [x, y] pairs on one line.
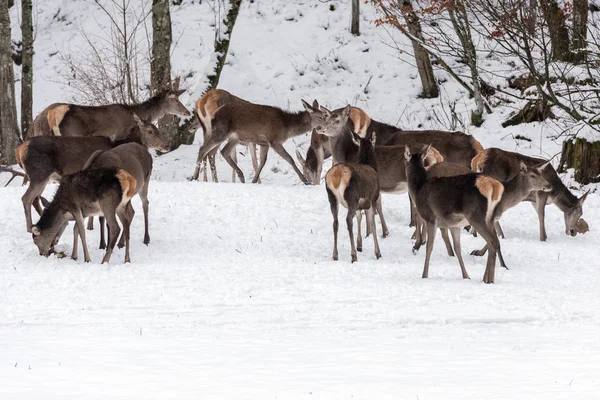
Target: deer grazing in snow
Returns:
[[46, 158], [240, 121], [356, 187], [505, 165], [102, 191], [454, 202], [113, 121]]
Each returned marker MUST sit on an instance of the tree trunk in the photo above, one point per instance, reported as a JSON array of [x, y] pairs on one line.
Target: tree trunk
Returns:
[[160, 66], [430, 87], [9, 129], [354, 24], [26, 67], [559, 34], [580, 28], [460, 21], [584, 157]]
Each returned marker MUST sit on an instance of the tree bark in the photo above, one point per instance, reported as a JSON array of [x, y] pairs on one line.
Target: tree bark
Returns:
[[559, 34], [27, 67], [580, 28], [160, 66], [584, 157], [430, 87], [460, 21], [9, 129], [354, 24]]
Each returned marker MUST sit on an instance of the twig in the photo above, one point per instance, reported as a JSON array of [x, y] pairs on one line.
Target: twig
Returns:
[[14, 174]]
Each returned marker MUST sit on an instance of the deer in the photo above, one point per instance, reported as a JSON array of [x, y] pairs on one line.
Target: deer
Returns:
[[455, 202], [49, 158], [113, 121], [528, 179], [504, 165], [238, 120], [204, 110], [100, 191], [356, 187]]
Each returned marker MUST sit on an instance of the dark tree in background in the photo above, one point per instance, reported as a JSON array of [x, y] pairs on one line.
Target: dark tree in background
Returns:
[[559, 34], [26, 67], [9, 129], [580, 28], [160, 66], [354, 24]]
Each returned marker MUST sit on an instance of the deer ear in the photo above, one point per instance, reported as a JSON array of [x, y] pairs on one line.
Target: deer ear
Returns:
[[307, 106], [544, 165], [325, 111], [407, 154], [36, 230], [582, 198], [315, 104], [301, 160], [522, 167], [356, 138], [425, 153], [346, 112], [176, 93], [137, 119], [373, 138]]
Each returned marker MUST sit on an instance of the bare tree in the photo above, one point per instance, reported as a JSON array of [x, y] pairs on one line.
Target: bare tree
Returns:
[[354, 23], [9, 129], [26, 66], [580, 29], [559, 34], [114, 69]]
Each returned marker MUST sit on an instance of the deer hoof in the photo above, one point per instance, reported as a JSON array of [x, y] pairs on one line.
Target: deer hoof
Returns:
[[385, 234], [359, 248], [354, 258], [476, 253], [378, 255]]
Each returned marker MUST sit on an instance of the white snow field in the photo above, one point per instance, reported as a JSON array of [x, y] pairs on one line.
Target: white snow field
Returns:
[[237, 297]]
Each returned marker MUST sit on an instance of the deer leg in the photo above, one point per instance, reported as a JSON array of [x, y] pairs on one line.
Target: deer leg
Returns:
[[235, 160], [264, 151], [144, 196], [499, 231], [371, 221], [213, 167], [125, 216], [349, 218], [359, 233], [37, 204], [412, 213], [102, 241], [384, 228], [493, 244], [431, 231], [444, 233], [80, 224], [31, 195], [418, 234], [58, 235], [90, 224], [333, 205], [319, 171], [227, 154], [204, 173], [540, 207], [456, 240], [252, 148], [74, 251], [279, 149], [203, 152], [113, 225]]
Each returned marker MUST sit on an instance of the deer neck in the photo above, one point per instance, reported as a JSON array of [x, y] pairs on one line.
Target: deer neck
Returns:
[[416, 174], [515, 190], [367, 157], [133, 136], [149, 110], [298, 123], [565, 200]]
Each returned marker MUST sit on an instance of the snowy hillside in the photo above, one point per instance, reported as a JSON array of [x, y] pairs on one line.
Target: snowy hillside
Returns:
[[237, 297]]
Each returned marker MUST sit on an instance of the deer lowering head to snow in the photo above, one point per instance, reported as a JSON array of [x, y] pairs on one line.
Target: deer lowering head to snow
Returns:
[[356, 187], [505, 165], [46, 158], [103, 191], [455, 202], [113, 121], [238, 120], [515, 191]]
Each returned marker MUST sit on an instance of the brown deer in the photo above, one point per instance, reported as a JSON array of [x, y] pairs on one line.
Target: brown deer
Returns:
[[455, 202], [48, 158], [516, 190], [505, 165], [113, 121], [240, 121], [102, 191], [134, 159], [356, 187]]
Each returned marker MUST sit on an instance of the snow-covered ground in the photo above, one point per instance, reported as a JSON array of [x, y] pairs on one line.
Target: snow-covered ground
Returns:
[[237, 296]]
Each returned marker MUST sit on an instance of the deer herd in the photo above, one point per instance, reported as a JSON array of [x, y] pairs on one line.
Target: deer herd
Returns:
[[100, 157]]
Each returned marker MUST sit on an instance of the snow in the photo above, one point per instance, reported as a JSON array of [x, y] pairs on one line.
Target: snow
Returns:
[[237, 296]]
